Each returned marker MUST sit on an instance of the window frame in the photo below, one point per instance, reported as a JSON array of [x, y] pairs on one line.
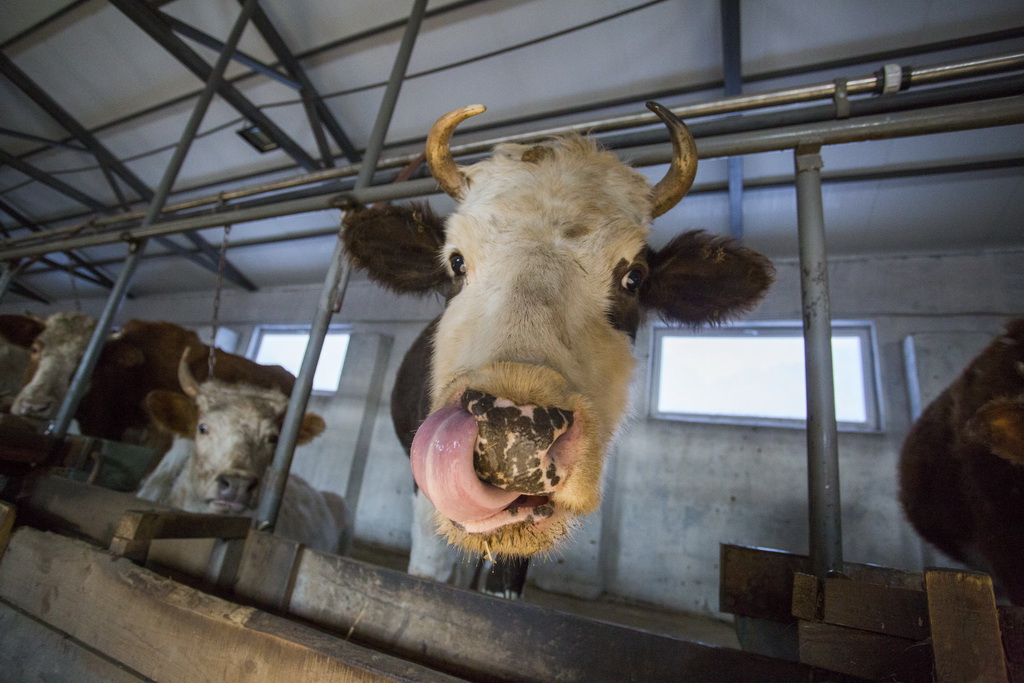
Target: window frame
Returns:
[[871, 378], [259, 331]]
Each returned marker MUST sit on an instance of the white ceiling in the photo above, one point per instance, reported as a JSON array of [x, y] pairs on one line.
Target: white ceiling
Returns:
[[101, 68]]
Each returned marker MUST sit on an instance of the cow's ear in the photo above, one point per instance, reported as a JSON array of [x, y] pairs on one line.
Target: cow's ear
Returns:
[[173, 412], [999, 425], [397, 246], [125, 355], [311, 427], [702, 279]]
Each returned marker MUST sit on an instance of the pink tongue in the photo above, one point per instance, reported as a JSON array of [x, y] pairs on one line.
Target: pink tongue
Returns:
[[442, 464]]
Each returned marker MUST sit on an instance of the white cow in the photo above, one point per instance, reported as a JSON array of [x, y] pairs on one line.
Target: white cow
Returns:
[[225, 436]]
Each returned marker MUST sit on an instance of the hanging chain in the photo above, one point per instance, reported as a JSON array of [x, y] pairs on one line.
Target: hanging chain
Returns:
[[74, 288], [212, 360]]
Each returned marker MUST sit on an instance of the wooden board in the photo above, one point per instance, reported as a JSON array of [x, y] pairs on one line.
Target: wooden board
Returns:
[[863, 654], [871, 607], [965, 627], [31, 651], [167, 631], [758, 582], [7, 514], [480, 636], [1011, 623]]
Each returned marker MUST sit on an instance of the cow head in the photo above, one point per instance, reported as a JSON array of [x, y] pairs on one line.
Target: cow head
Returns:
[[999, 424], [547, 275], [235, 429], [55, 354]]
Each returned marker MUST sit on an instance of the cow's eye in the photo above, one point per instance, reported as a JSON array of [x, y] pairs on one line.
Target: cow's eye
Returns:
[[458, 264], [203, 429], [632, 280]]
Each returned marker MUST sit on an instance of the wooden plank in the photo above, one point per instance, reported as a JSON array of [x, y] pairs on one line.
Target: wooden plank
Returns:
[[267, 573], [166, 631], [1011, 624], [31, 651], [863, 654], [758, 582], [966, 640], [479, 636], [138, 528], [872, 607], [807, 597]]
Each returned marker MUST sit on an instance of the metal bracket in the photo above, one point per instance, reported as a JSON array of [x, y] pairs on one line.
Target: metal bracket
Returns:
[[841, 98]]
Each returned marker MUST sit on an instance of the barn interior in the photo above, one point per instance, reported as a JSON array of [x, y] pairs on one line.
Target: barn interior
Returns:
[[914, 110]]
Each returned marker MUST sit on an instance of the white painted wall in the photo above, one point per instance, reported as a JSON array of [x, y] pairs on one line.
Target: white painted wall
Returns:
[[674, 490]]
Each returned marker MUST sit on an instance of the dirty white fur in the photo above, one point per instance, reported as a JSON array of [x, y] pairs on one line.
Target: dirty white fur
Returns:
[[233, 432], [304, 516], [541, 240], [60, 346]]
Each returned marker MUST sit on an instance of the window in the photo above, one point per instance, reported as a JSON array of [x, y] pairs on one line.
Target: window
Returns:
[[286, 346], [754, 374]]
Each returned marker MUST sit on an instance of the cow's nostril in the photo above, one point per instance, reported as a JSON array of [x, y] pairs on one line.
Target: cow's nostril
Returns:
[[223, 485], [251, 488]]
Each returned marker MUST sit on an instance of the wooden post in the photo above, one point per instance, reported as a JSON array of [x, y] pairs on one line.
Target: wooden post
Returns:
[[966, 640], [267, 573], [6, 525]]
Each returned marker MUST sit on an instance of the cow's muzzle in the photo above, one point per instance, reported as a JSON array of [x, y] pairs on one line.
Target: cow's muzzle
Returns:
[[513, 443]]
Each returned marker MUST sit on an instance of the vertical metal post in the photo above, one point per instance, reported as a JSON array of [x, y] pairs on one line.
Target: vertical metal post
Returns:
[[333, 293], [826, 541], [59, 425], [6, 278], [733, 76]]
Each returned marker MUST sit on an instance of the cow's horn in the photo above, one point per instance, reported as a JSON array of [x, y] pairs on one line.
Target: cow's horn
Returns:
[[679, 178], [185, 378], [439, 157]]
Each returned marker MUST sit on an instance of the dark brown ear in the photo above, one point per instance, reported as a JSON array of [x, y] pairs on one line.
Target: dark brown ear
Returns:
[[20, 330], [123, 354], [397, 246], [702, 279], [999, 424], [311, 427], [173, 412]]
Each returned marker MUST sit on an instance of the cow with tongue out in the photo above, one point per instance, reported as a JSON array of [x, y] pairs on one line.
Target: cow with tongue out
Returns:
[[509, 400]]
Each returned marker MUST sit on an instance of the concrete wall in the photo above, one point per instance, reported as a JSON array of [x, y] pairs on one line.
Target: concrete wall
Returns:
[[674, 490]]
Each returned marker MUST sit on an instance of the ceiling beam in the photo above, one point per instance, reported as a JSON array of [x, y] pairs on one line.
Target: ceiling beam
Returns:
[[191, 32], [212, 255], [70, 124], [108, 163], [287, 58], [74, 146], [53, 183], [149, 21], [733, 78], [97, 276]]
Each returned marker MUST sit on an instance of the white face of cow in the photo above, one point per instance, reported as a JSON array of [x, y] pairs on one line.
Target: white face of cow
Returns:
[[56, 353], [235, 435], [235, 428], [534, 250], [547, 273]]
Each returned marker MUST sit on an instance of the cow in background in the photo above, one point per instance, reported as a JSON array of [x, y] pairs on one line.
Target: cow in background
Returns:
[[139, 358], [510, 400], [962, 465], [17, 332], [225, 436]]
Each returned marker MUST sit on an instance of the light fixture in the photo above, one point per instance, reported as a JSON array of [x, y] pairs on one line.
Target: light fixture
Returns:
[[258, 138]]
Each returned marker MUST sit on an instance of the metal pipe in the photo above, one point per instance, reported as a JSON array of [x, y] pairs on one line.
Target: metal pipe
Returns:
[[865, 84], [964, 116], [58, 427], [824, 510], [335, 284]]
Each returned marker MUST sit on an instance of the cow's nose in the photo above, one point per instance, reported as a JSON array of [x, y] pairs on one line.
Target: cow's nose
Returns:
[[514, 442], [33, 408], [232, 488]]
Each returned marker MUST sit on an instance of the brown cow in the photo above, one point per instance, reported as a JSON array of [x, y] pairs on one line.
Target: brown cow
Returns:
[[962, 465], [517, 390], [139, 358]]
